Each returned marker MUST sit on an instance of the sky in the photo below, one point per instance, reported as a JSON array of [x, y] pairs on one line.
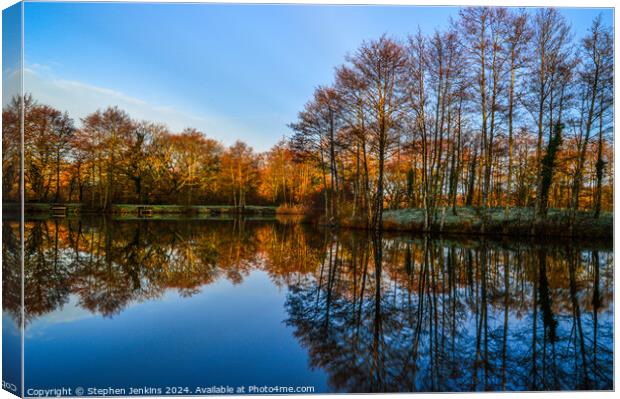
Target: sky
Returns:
[[231, 71]]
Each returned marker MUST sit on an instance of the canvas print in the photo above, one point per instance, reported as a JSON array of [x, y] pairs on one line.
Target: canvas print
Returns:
[[206, 199]]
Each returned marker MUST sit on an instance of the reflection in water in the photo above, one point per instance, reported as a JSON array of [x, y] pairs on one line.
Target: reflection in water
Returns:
[[376, 314], [435, 315]]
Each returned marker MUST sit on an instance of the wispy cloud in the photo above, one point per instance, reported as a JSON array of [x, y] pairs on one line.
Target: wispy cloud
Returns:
[[11, 84], [80, 99]]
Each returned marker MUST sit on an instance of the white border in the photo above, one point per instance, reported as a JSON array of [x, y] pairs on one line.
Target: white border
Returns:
[[514, 3]]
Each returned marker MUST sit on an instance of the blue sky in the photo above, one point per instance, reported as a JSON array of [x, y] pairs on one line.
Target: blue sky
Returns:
[[232, 71]]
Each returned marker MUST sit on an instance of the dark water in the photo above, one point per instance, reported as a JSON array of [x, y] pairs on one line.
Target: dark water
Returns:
[[201, 303]]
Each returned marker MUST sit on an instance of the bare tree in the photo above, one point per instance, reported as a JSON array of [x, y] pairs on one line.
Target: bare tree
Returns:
[[518, 38], [551, 42], [381, 64]]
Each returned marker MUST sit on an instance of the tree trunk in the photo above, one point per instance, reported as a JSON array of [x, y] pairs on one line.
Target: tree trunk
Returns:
[[600, 165]]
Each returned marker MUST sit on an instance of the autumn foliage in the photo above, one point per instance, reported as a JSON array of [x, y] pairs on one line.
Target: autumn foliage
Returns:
[[502, 109]]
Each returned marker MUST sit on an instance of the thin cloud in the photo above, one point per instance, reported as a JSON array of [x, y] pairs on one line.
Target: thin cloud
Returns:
[[80, 99]]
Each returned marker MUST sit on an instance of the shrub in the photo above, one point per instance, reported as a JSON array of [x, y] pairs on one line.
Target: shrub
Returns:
[[292, 209]]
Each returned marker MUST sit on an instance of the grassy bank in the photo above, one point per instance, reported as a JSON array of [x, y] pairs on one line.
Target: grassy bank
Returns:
[[195, 209], [518, 221], [131, 209], [294, 209]]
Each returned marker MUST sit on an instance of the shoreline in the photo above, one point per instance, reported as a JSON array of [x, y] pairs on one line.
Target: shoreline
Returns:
[[134, 209], [519, 222]]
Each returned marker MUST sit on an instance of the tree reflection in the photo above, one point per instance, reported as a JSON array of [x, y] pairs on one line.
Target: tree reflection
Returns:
[[438, 315], [11, 271], [377, 313], [110, 264]]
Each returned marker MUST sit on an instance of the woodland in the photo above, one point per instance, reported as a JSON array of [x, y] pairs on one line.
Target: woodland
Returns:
[[504, 111]]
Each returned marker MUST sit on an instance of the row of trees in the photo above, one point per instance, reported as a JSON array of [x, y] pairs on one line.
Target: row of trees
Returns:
[[112, 158], [503, 108]]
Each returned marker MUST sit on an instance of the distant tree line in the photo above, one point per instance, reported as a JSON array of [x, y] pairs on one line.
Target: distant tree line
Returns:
[[502, 109], [113, 159]]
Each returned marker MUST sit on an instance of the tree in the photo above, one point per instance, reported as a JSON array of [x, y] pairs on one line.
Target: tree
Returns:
[[239, 167], [315, 133], [47, 139], [194, 163], [11, 146], [138, 155], [551, 41], [598, 46], [518, 38], [351, 88], [62, 130], [108, 131], [381, 64], [277, 173], [486, 33]]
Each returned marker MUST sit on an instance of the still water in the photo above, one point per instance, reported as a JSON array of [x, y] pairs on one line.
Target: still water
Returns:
[[156, 304]]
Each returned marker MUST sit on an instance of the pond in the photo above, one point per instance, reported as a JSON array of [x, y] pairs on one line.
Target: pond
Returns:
[[154, 305]]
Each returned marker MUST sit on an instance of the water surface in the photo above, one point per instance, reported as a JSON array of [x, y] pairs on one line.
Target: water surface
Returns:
[[148, 303]]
